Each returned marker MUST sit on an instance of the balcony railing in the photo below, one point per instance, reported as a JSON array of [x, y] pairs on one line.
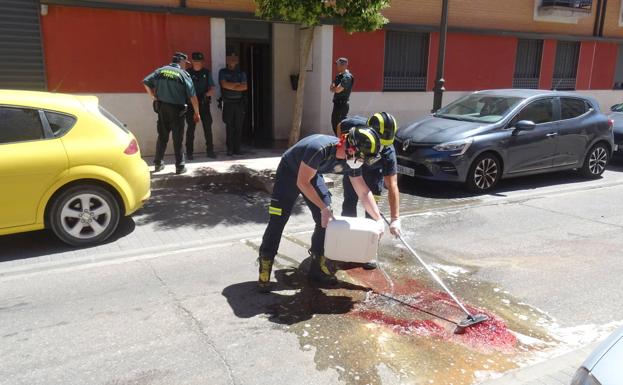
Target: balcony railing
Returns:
[[402, 83], [532, 83], [574, 4], [563, 84]]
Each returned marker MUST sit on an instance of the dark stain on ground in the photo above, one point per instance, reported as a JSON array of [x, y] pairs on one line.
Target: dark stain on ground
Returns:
[[372, 333]]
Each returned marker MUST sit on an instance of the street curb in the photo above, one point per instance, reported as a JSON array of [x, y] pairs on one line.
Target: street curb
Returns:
[[263, 179], [42, 264]]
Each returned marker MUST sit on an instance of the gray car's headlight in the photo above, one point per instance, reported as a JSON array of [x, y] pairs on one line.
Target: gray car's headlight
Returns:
[[583, 377], [458, 146]]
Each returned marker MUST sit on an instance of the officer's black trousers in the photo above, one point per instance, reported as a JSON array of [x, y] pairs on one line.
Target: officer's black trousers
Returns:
[[206, 122], [170, 121], [340, 111], [233, 117], [285, 193], [374, 180]]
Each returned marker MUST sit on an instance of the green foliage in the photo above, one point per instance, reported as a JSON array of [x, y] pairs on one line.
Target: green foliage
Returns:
[[352, 15]]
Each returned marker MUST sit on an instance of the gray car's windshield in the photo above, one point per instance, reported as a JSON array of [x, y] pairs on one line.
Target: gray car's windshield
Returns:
[[479, 108]]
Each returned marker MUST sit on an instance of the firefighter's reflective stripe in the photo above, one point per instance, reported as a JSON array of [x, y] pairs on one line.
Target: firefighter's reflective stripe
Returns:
[[274, 210], [377, 198]]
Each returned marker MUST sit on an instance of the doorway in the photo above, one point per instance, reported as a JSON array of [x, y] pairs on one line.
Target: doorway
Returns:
[[251, 41]]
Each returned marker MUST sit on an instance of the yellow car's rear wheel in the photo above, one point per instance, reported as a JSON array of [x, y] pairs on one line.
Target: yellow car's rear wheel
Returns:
[[84, 215]]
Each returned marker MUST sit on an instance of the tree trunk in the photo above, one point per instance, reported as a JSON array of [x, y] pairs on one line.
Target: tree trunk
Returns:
[[305, 50]]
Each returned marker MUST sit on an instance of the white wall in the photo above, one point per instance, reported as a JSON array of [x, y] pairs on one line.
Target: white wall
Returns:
[[217, 44], [285, 63], [318, 105]]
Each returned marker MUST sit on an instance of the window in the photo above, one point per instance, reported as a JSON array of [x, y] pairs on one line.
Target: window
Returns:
[[59, 123], [479, 107], [575, 4], [528, 63], [19, 125], [406, 61], [540, 111], [566, 65], [572, 108]]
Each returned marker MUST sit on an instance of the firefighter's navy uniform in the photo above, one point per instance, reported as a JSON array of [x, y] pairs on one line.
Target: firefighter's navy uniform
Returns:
[[318, 152], [373, 174]]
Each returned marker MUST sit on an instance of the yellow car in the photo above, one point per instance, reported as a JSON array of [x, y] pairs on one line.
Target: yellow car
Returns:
[[66, 164]]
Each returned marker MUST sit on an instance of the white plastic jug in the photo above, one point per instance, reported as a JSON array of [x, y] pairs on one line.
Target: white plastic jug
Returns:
[[351, 239]]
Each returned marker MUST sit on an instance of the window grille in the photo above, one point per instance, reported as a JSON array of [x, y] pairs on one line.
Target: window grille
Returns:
[[566, 65], [406, 61], [528, 63]]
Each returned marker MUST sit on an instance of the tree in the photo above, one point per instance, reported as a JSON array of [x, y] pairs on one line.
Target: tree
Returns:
[[352, 15]]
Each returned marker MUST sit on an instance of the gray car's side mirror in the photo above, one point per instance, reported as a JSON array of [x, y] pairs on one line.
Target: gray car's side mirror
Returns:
[[524, 125]]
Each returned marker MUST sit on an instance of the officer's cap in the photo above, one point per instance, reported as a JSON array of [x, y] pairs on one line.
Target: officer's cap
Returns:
[[341, 60], [179, 57], [196, 56]]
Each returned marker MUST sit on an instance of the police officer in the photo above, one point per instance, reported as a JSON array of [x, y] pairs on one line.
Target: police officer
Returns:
[[233, 83], [170, 87], [204, 87], [300, 171], [381, 171], [341, 88]]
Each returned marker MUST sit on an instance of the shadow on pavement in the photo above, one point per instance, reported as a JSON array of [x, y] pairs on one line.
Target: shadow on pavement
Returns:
[[202, 206], [440, 190], [44, 242], [288, 309]]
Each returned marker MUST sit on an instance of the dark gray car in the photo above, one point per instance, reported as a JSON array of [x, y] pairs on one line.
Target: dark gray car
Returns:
[[489, 135], [616, 115]]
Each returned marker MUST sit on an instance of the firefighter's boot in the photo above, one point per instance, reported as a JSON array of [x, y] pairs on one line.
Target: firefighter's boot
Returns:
[[263, 282], [320, 272]]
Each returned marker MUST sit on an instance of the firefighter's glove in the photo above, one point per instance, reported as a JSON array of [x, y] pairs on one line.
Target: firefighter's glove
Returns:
[[395, 228], [381, 223], [325, 216]]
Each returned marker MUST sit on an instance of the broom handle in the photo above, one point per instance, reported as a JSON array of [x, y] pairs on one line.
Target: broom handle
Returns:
[[431, 272]]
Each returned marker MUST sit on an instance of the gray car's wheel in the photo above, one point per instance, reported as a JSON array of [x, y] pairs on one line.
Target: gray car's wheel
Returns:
[[596, 161], [84, 215], [484, 173]]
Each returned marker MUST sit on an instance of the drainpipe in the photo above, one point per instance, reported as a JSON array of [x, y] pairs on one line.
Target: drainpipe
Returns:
[[439, 88], [603, 17], [597, 18]]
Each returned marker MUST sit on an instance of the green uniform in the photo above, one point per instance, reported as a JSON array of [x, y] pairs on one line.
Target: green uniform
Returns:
[[202, 80]]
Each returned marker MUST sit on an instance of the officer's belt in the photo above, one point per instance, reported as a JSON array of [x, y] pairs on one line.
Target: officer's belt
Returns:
[[340, 102], [228, 100]]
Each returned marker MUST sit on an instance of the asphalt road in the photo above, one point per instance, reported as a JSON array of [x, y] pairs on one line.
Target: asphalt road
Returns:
[[543, 254]]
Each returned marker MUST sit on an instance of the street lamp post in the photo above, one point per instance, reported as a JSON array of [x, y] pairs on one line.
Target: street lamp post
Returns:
[[441, 57]]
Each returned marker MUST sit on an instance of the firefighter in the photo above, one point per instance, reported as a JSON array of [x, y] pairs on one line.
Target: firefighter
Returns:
[[376, 174], [300, 171]]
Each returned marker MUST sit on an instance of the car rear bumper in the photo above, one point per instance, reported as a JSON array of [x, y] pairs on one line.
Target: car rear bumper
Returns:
[[139, 179]]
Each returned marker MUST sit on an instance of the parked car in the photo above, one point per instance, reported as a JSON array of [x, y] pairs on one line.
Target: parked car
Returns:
[[489, 135], [603, 366], [66, 164], [616, 114]]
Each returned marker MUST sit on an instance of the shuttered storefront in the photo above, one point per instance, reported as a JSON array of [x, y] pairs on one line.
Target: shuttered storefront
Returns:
[[21, 54]]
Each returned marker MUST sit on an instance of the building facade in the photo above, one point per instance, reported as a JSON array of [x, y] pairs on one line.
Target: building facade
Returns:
[[106, 47]]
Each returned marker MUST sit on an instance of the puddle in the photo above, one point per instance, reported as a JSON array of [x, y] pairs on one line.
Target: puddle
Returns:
[[404, 334]]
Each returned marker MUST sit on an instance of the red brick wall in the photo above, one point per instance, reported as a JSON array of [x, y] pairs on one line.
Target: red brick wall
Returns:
[[365, 53], [97, 50], [476, 62]]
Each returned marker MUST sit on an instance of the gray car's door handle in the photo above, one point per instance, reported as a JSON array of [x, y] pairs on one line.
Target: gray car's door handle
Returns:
[[551, 134]]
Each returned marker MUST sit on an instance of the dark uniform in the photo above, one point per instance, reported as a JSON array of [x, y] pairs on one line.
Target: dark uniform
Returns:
[[340, 100], [202, 80], [234, 106], [173, 87], [372, 174], [318, 152]]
